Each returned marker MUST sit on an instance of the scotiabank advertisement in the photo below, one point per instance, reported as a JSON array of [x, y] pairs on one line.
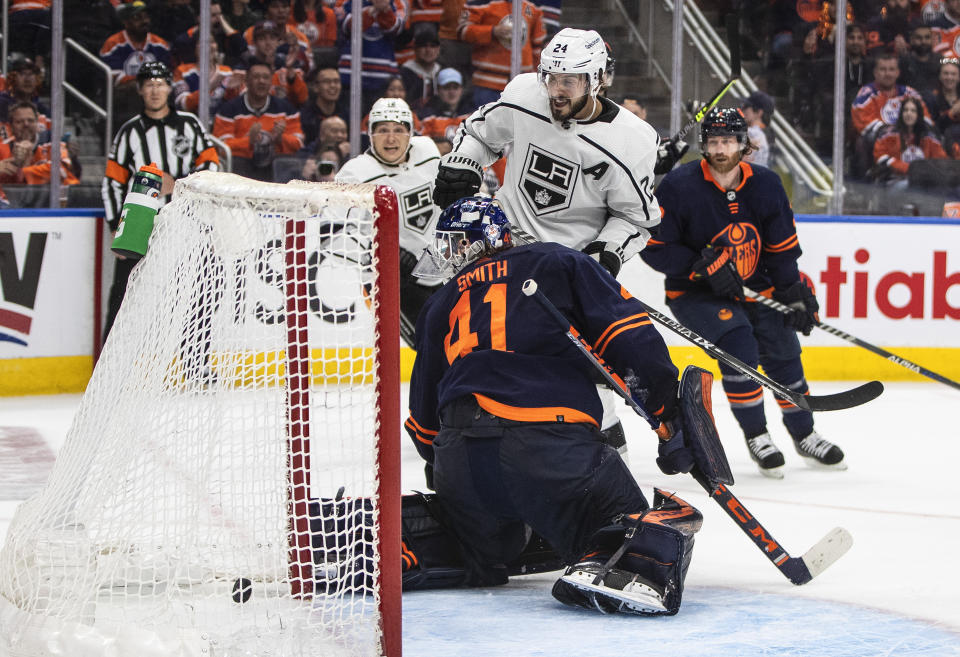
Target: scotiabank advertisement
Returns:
[[888, 280]]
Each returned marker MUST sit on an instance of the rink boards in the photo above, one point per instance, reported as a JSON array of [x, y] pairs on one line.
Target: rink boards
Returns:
[[891, 281]]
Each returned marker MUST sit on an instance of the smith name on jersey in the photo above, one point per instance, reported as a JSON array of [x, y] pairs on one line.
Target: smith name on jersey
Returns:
[[501, 347], [589, 181], [412, 180]]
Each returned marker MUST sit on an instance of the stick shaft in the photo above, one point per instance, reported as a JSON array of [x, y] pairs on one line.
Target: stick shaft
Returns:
[[893, 358]]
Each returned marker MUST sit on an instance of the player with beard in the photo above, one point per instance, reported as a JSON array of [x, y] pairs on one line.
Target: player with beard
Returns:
[[727, 224], [579, 167]]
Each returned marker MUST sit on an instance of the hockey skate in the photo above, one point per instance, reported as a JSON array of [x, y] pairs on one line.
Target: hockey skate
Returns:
[[619, 590], [766, 455], [820, 453]]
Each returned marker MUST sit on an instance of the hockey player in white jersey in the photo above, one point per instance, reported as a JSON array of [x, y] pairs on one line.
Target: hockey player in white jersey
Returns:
[[579, 169], [408, 164]]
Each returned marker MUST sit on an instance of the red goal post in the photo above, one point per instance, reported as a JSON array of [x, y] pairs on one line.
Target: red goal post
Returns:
[[231, 481]]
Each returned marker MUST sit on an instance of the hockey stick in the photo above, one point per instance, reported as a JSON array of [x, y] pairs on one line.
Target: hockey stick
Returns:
[[893, 358], [835, 402], [798, 570], [733, 40]]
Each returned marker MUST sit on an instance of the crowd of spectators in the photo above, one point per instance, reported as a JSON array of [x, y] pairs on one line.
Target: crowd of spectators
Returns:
[[900, 80], [280, 69], [446, 57]]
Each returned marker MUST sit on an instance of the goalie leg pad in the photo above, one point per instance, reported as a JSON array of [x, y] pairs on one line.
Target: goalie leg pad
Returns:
[[431, 553], [648, 577], [699, 427]]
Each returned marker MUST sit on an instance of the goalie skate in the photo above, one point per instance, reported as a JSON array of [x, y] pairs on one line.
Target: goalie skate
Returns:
[[620, 591]]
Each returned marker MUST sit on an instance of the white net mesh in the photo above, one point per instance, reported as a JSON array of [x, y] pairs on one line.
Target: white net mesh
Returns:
[[183, 483]]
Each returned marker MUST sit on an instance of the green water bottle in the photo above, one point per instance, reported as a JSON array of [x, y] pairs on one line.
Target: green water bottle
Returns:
[[139, 209]]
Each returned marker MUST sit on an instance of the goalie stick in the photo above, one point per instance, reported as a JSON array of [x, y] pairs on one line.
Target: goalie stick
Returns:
[[835, 402], [893, 358], [798, 570], [733, 40]]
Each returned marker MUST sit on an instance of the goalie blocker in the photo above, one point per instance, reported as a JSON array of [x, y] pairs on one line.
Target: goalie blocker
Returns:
[[650, 550]]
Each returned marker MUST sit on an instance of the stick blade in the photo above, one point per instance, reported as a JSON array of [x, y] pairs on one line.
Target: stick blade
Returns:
[[846, 399], [830, 548]]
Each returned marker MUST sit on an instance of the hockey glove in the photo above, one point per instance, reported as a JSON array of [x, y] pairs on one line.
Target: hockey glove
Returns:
[[668, 154], [606, 256], [457, 178], [673, 455], [408, 262], [800, 298], [720, 272]]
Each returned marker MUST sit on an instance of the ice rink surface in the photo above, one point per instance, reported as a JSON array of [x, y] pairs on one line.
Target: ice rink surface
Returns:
[[897, 592]]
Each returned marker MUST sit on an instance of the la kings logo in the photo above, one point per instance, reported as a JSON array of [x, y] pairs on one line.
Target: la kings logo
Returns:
[[417, 207], [548, 180]]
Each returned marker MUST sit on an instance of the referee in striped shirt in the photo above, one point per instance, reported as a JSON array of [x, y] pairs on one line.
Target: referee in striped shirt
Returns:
[[175, 141]]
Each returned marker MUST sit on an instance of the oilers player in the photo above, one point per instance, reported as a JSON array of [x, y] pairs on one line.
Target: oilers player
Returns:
[[580, 167], [408, 164], [728, 223], [505, 409]]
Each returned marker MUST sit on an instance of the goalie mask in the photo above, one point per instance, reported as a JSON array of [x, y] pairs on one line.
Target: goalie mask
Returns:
[[468, 230], [391, 126], [572, 68]]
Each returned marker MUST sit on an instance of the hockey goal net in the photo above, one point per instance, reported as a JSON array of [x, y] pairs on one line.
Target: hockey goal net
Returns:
[[230, 483]]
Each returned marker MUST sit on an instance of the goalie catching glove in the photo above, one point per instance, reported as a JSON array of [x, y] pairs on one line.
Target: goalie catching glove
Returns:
[[720, 272], [800, 298], [458, 177]]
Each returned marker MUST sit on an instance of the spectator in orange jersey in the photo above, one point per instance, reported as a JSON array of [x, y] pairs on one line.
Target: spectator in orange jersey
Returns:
[[910, 140], [488, 25], [294, 44], [25, 161], [224, 84], [316, 21], [258, 126], [24, 80], [126, 51], [877, 104], [288, 79]]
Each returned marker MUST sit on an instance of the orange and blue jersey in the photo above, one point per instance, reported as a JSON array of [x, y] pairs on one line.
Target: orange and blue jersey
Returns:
[[754, 222], [874, 109], [480, 336], [897, 153], [233, 122], [491, 59], [125, 57], [37, 170]]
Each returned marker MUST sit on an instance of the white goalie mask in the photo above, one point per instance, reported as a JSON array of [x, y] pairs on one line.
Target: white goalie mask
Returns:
[[574, 51]]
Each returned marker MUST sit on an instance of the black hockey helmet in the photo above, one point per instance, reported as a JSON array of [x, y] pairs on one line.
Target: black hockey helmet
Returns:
[[150, 70], [723, 121]]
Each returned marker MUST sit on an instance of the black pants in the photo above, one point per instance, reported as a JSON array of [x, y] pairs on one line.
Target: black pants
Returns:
[[495, 477], [121, 273]]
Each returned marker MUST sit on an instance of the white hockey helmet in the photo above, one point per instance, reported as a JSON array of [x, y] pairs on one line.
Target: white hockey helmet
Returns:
[[391, 109], [575, 51]]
